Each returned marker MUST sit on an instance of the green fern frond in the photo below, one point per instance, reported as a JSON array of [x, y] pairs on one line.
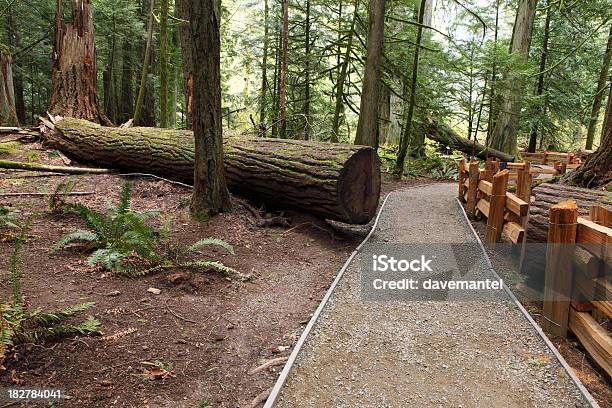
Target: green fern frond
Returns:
[[211, 241], [214, 264], [126, 198], [79, 235], [106, 256], [46, 318], [91, 325], [94, 220]]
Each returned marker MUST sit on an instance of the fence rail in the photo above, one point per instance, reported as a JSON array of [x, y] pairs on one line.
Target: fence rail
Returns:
[[578, 283]]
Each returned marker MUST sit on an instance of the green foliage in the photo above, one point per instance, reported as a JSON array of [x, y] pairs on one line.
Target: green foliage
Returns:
[[8, 147], [122, 241], [18, 324], [433, 164], [8, 218], [57, 201]]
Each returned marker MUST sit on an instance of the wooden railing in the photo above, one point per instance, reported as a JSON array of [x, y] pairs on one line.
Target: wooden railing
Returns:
[[485, 194], [578, 286], [548, 157], [578, 278]]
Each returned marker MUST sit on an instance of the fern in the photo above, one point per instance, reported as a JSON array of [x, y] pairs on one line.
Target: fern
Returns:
[[79, 235], [18, 325], [214, 264], [8, 218], [57, 201], [211, 241]]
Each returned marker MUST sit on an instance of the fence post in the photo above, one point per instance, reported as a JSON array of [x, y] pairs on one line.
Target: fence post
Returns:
[[472, 188], [461, 180], [558, 278], [523, 182], [497, 207]]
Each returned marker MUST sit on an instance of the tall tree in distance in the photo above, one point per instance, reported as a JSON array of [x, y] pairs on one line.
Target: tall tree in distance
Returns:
[[73, 78], [163, 64], [282, 85], [367, 127], [599, 93], [184, 34], [407, 133], [504, 136], [8, 113], [145, 67], [264, 72], [210, 194]]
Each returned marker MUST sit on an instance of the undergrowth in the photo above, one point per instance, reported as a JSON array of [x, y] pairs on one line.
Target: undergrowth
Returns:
[[19, 324], [433, 164], [57, 201], [123, 242]]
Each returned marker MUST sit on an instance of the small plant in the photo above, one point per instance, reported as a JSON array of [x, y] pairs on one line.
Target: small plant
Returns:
[[18, 324], [8, 217], [57, 200], [123, 242], [8, 147]]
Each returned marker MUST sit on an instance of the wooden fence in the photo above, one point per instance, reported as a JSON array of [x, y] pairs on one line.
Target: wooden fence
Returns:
[[570, 160], [578, 288]]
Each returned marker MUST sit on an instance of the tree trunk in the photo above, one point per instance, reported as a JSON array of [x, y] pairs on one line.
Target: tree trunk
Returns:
[[384, 113], [14, 42], [8, 114], [163, 65], [607, 122], [408, 135], [144, 70], [73, 77], [184, 30], [504, 136], [335, 181], [307, 73], [443, 134], [492, 95], [367, 127], [264, 73], [282, 87], [596, 171], [547, 195], [210, 195], [533, 137], [127, 88], [601, 86], [339, 108]]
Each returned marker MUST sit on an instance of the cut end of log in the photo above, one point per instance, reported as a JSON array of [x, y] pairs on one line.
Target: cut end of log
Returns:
[[359, 186], [565, 205]]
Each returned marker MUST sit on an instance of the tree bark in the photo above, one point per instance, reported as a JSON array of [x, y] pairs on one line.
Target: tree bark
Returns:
[[547, 195], [607, 122], [8, 114], [443, 134], [596, 171], [504, 136], [307, 73], [601, 85], [367, 127], [126, 104], [335, 181], [282, 87], [73, 77], [184, 30], [210, 194]]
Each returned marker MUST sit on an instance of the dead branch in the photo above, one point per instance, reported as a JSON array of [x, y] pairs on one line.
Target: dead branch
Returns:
[[268, 364], [13, 165], [260, 398], [36, 194]]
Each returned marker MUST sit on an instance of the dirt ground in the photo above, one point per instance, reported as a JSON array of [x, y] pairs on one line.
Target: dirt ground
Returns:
[[210, 329]]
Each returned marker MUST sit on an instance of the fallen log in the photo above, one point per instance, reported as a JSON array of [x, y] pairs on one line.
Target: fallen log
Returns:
[[336, 181], [442, 133], [13, 165], [546, 195]]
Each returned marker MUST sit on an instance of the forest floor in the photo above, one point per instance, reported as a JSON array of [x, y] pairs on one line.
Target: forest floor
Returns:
[[207, 328]]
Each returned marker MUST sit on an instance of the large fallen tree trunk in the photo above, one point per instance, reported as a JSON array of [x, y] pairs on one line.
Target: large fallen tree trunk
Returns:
[[546, 195], [443, 134], [335, 181]]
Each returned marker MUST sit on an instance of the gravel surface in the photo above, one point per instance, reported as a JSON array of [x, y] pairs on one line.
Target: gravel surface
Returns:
[[424, 353]]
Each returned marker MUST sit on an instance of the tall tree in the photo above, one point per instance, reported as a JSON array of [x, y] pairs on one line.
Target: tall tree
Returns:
[[367, 127], [127, 88], [607, 122], [282, 85], [210, 194], [541, 107], [73, 79], [8, 114], [342, 75], [184, 33], [599, 93], [145, 67], [264, 72], [163, 64], [307, 50], [506, 128], [407, 131]]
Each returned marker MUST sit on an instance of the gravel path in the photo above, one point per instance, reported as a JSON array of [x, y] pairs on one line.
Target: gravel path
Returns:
[[366, 353]]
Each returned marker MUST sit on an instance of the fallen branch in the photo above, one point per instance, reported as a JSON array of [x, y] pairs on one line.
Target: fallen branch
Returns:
[[260, 398], [35, 194], [177, 316], [13, 165], [268, 364]]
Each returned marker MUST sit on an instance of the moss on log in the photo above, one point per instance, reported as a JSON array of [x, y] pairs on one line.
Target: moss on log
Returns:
[[335, 181]]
